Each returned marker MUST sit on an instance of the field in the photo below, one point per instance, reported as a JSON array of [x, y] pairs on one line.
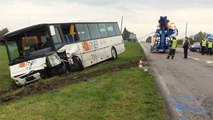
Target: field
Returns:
[[4, 70], [111, 90]]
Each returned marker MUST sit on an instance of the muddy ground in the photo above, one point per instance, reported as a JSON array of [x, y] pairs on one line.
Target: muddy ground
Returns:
[[64, 80]]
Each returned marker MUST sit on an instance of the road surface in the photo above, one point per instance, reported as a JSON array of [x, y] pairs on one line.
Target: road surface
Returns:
[[187, 84]]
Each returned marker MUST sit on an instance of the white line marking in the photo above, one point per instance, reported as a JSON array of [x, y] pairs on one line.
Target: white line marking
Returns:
[[209, 62], [197, 59]]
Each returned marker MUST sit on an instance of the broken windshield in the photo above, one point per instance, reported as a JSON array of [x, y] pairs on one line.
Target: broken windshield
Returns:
[[28, 44]]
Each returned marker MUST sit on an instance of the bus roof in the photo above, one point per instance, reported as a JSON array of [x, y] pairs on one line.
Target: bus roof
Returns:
[[33, 26]]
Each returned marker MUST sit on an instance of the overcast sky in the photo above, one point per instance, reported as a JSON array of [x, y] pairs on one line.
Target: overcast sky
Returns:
[[140, 16]]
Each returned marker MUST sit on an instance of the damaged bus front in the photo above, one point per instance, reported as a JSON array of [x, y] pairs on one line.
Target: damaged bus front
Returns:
[[31, 53]]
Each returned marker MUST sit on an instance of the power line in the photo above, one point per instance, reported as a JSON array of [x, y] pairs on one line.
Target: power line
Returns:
[[146, 35]]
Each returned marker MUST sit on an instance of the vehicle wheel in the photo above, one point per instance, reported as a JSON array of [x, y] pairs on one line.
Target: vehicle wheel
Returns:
[[77, 64], [63, 68], [197, 50], [114, 53], [43, 74]]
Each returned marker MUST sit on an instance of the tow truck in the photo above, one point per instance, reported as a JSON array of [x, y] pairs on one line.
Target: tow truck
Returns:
[[160, 41]]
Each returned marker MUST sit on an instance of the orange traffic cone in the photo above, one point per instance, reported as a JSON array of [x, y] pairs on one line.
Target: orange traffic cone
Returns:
[[140, 64]]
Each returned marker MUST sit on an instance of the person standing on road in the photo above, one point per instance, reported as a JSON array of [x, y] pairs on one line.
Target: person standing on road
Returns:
[[210, 47], [186, 47], [172, 48], [203, 46]]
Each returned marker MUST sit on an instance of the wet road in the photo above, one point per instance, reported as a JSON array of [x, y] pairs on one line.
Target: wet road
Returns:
[[187, 84]]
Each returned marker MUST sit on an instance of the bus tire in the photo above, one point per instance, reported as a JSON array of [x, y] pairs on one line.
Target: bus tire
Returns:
[[43, 74], [77, 64], [62, 69], [114, 53]]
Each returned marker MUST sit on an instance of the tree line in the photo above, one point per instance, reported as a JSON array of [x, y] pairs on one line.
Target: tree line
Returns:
[[129, 36], [2, 33]]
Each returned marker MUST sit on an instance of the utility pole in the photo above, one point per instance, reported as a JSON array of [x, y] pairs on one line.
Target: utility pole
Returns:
[[121, 24], [186, 29]]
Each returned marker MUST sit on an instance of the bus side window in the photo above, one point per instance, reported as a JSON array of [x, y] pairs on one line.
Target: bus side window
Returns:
[[83, 32], [117, 30], [103, 30]]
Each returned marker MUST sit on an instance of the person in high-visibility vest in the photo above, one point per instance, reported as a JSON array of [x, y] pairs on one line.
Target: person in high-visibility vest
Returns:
[[210, 47], [186, 47], [203, 46], [172, 48]]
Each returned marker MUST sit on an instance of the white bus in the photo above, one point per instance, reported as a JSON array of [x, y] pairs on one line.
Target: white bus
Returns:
[[43, 50]]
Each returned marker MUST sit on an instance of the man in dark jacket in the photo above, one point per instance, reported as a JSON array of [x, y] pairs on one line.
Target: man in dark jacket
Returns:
[[186, 47]]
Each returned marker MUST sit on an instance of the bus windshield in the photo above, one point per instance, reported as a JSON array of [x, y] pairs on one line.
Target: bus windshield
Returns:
[[30, 43]]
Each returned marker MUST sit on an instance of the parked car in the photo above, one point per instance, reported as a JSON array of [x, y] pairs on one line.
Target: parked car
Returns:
[[195, 47]]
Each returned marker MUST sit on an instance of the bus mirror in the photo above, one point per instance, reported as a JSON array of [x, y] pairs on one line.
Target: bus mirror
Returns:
[[52, 30]]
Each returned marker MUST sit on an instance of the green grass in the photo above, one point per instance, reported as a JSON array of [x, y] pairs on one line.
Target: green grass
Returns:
[[4, 70], [128, 94]]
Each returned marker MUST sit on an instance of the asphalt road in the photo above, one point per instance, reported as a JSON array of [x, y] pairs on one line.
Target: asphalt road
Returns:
[[187, 84]]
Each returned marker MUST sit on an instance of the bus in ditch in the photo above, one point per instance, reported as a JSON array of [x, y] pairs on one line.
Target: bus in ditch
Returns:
[[43, 50]]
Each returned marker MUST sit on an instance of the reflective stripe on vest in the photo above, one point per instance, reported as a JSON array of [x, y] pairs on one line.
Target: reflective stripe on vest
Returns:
[[174, 44], [204, 43], [209, 44]]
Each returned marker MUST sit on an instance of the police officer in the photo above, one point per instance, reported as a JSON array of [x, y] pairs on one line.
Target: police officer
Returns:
[[210, 47], [172, 48], [186, 47], [203, 46]]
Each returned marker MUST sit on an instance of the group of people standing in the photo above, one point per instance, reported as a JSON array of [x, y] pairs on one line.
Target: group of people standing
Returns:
[[206, 45], [174, 46]]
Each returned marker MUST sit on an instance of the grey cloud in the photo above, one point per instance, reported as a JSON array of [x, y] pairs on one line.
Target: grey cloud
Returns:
[[82, 2], [159, 4]]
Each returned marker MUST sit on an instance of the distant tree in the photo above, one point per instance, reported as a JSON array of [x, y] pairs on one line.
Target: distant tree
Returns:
[[199, 36], [180, 41], [148, 40], [125, 34], [129, 36], [2, 33]]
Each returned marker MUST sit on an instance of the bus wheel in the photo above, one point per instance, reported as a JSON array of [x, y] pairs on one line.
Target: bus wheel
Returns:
[[63, 68], [43, 74], [77, 64], [114, 53]]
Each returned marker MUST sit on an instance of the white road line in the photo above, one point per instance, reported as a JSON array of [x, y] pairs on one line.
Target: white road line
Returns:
[[209, 62], [197, 59]]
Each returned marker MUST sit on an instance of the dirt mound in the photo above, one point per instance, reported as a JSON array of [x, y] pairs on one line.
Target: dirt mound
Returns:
[[51, 85]]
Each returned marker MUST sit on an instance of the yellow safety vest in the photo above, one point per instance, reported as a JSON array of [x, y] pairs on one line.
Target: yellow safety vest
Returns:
[[174, 44], [210, 44], [203, 43], [189, 42]]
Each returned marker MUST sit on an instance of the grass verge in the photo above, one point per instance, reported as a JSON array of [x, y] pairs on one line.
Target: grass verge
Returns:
[[126, 94], [4, 70]]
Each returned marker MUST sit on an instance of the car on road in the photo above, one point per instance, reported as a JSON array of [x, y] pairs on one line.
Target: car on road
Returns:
[[195, 47]]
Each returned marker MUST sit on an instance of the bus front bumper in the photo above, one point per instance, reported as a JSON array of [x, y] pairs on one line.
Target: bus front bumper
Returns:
[[27, 78]]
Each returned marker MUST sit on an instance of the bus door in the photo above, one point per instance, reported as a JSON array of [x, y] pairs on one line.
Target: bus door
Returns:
[[57, 36]]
